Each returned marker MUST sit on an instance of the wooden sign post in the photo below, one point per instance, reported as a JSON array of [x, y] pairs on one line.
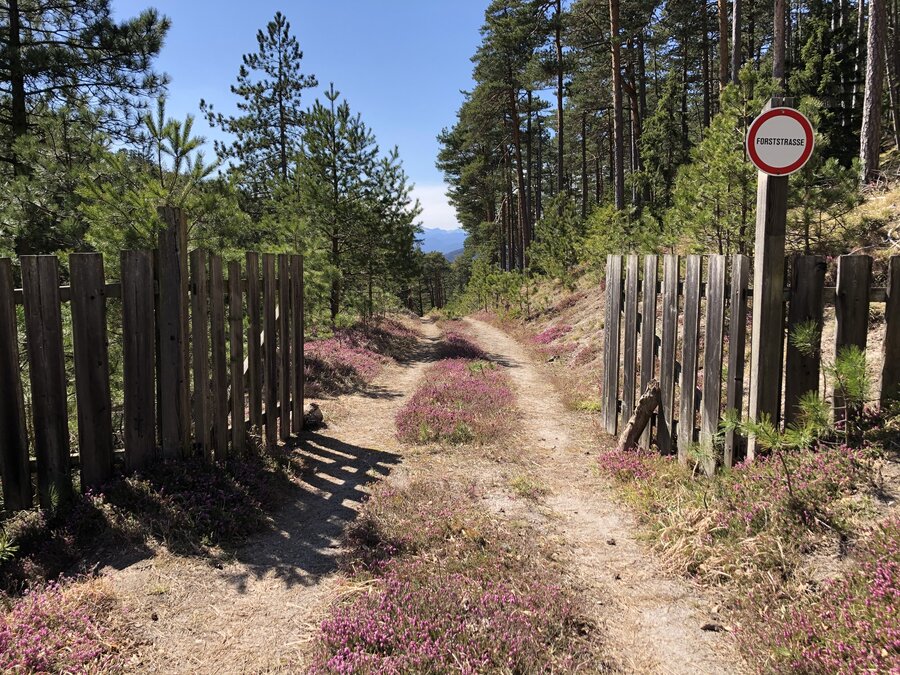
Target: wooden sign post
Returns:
[[780, 142]]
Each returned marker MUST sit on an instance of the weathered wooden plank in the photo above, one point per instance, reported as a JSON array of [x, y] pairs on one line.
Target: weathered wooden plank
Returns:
[[200, 348], [665, 426], [297, 364], [47, 365], [690, 349], [890, 371], [648, 334], [767, 338], [629, 349], [139, 356], [611, 342], [737, 343], [174, 403], [270, 349], [91, 346], [14, 467], [851, 309], [254, 353], [712, 360], [219, 364], [806, 305], [236, 344], [284, 344]]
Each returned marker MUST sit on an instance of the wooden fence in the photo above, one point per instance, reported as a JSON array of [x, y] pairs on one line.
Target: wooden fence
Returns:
[[690, 330], [203, 359]]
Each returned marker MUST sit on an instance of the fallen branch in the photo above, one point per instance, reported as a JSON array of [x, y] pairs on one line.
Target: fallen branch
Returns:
[[643, 411]]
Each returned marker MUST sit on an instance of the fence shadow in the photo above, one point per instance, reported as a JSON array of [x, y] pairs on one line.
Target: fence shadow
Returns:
[[305, 539]]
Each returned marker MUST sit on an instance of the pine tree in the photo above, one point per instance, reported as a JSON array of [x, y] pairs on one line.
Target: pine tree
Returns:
[[73, 53], [333, 181], [269, 125]]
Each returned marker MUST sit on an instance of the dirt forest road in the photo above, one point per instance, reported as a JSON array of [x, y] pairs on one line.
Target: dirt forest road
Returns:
[[258, 611], [652, 623]]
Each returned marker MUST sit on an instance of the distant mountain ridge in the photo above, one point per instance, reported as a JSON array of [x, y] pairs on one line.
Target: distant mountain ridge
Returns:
[[442, 241]]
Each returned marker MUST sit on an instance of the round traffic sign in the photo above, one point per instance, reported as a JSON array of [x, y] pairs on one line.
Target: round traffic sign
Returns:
[[780, 141]]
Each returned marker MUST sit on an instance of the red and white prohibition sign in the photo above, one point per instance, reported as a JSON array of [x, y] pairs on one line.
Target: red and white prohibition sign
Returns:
[[780, 141]]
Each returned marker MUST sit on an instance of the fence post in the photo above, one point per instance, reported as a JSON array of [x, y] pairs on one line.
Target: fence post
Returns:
[[270, 349], [298, 363], [648, 333], [664, 432], [200, 350], [174, 403], [890, 371], [767, 341], [236, 346], [712, 360], [219, 364], [139, 357], [630, 331], [14, 466], [851, 309], [95, 436], [611, 342], [690, 348], [284, 344], [254, 356], [807, 304], [737, 342], [43, 325]]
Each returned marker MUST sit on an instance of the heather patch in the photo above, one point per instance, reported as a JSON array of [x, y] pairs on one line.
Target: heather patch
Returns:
[[456, 346], [552, 334], [443, 587], [71, 628], [355, 356], [849, 625], [461, 401]]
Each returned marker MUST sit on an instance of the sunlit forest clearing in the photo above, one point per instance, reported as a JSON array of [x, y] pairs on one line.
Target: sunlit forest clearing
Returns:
[[254, 418]]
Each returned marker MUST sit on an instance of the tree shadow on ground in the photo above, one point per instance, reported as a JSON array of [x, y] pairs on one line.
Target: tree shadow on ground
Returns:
[[304, 542]]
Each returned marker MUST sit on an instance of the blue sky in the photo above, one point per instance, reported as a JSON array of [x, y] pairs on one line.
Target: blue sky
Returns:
[[401, 63]]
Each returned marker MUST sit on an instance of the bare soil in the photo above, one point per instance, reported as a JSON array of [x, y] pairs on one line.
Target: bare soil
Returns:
[[258, 610]]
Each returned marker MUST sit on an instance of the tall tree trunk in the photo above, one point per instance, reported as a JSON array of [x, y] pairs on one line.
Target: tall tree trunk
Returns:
[[560, 122], [752, 54], [870, 134], [19, 115], [524, 226], [685, 139], [890, 44], [538, 195], [611, 147], [723, 43], [778, 44], [529, 192], [504, 260], [584, 167], [642, 75], [705, 70], [858, 63], [618, 122], [335, 300]]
